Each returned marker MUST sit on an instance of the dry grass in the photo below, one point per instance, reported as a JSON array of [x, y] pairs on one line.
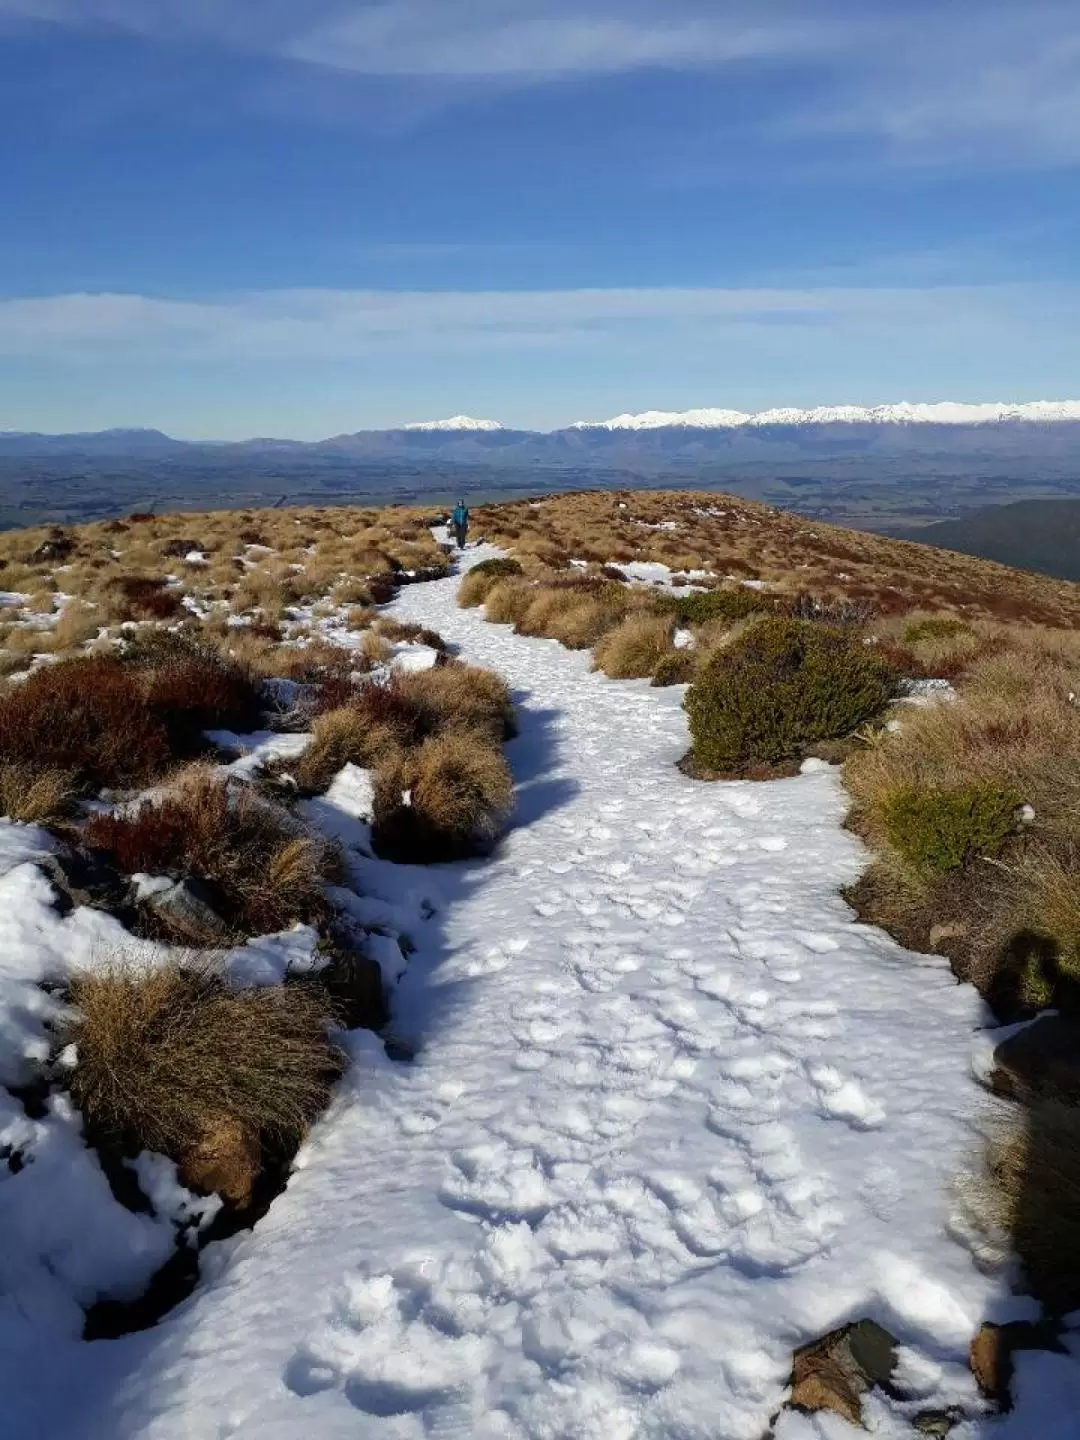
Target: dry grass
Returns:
[[168, 1054], [32, 796], [636, 647], [265, 871], [461, 796], [508, 601], [390, 718], [729, 536], [1008, 919], [1030, 1192], [343, 736], [477, 583]]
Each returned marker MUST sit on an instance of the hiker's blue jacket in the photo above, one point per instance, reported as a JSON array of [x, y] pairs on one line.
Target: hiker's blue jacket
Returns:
[[461, 515]]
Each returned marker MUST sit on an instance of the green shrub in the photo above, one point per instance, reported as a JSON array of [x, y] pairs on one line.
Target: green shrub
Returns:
[[482, 578], [935, 627], [719, 605], [676, 668], [940, 830], [782, 685]]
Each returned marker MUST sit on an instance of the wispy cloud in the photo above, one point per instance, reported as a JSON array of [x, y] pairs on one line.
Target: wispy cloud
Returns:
[[989, 81], [324, 324]]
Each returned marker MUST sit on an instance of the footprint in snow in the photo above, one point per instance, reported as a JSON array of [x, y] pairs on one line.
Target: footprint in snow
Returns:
[[845, 1100]]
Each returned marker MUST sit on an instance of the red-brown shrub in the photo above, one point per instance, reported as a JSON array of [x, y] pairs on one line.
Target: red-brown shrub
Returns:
[[266, 870], [122, 722], [88, 717], [145, 597]]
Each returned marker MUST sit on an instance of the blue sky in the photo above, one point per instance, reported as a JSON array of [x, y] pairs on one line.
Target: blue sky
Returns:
[[303, 217]]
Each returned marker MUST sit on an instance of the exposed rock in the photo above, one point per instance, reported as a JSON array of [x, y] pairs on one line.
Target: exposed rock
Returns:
[[937, 1422], [82, 878], [835, 1372], [57, 545], [1040, 1062], [994, 1347], [354, 982], [226, 1161], [185, 910]]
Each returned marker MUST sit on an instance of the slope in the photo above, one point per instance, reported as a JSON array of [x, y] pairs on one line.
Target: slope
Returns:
[[672, 1113], [1040, 535]]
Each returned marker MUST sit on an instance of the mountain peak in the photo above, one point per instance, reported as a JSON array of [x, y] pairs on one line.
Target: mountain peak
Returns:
[[945, 412], [455, 422]]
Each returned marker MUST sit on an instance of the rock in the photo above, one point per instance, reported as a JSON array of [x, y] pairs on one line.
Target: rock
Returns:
[[57, 545], [937, 1422], [226, 1161], [1040, 1062], [950, 930], [184, 910], [993, 1348], [82, 878], [355, 985], [835, 1372]]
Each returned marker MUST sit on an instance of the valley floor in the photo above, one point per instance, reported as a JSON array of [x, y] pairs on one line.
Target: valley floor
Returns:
[[672, 1113]]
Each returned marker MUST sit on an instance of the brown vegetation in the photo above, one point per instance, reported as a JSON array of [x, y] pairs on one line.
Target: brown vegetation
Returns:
[[169, 1054], [264, 870]]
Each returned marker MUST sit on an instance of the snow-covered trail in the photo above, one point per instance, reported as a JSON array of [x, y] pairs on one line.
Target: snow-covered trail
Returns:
[[673, 1113]]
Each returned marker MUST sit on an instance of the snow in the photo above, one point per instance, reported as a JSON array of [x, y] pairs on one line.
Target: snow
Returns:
[[672, 1113], [904, 413], [455, 422], [654, 572]]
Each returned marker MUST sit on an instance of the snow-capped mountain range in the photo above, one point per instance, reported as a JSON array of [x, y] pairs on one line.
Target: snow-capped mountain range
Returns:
[[455, 422], [944, 412]]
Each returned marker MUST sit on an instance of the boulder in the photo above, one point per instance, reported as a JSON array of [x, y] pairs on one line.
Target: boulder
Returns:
[[1040, 1062], [184, 909], [937, 1423], [57, 545], [355, 985], [835, 1372], [225, 1161]]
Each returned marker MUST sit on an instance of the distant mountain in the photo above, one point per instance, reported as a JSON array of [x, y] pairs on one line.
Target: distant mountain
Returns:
[[946, 412], [880, 467], [1042, 535], [91, 442], [654, 435], [456, 422]]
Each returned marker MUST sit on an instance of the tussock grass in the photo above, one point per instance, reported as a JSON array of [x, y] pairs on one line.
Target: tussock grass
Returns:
[[1003, 907], [726, 535], [635, 648], [169, 1054], [507, 601], [1030, 1191], [266, 872], [397, 715], [460, 798], [480, 580], [34, 796]]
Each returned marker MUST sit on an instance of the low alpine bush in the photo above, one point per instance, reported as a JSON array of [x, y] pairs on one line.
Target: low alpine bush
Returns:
[[781, 686], [731, 605], [936, 831]]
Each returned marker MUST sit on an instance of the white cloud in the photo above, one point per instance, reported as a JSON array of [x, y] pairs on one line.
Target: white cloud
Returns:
[[297, 325]]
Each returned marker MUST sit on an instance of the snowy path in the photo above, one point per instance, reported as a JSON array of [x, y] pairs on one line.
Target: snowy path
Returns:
[[673, 1114]]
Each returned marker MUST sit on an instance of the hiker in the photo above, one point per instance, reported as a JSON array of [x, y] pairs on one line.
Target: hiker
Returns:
[[460, 518]]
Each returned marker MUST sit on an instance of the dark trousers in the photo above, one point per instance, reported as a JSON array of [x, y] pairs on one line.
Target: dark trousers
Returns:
[[461, 531]]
